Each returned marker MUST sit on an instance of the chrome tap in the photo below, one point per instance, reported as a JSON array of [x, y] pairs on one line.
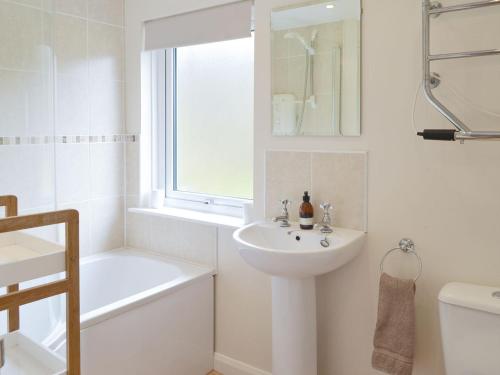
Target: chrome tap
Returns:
[[325, 225], [283, 219]]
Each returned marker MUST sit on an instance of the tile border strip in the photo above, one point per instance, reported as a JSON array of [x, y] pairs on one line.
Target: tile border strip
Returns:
[[68, 139]]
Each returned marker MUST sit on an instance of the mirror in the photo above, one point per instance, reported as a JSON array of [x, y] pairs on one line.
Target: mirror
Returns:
[[316, 75]]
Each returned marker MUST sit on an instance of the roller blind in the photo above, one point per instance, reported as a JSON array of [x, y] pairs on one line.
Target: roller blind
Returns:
[[224, 22]]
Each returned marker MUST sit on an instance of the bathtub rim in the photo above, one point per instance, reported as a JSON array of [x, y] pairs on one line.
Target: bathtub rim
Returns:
[[191, 273]]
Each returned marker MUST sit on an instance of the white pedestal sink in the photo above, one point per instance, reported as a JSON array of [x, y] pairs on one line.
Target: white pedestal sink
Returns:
[[294, 257]]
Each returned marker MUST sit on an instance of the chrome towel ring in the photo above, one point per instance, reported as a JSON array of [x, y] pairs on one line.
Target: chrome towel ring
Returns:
[[407, 246]]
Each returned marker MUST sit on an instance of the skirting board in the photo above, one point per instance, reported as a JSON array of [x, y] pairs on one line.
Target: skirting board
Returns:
[[229, 366]]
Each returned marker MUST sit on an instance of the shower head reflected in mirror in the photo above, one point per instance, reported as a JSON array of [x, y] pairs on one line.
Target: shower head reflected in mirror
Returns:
[[308, 46]]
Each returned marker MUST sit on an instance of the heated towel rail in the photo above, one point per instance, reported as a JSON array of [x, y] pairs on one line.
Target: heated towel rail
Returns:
[[431, 81], [69, 285]]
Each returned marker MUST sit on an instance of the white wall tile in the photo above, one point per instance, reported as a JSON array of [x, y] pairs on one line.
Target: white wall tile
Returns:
[[42, 180], [138, 231], [85, 219], [106, 52], [295, 48], [70, 45], [191, 241], [296, 74], [323, 115], [20, 37], [72, 115], [309, 122], [106, 169], [132, 168], [108, 11], [32, 3], [106, 107], [73, 7], [132, 201], [323, 73], [279, 44], [72, 172], [288, 175], [340, 178], [28, 172], [329, 35], [50, 232], [289, 69], [280, 76], [107, 224], [13, 95], [25, 103]]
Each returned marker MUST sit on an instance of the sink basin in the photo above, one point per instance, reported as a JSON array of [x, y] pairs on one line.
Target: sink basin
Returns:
[[294, 253], [293, 258]]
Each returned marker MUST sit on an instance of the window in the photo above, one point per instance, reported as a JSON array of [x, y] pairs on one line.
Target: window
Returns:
[[208, 119]]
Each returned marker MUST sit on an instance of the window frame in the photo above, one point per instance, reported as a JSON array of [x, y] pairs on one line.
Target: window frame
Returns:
[[164, 148]]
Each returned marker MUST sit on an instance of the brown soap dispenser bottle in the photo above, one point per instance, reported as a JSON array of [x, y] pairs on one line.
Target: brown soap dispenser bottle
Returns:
[[306, 213]]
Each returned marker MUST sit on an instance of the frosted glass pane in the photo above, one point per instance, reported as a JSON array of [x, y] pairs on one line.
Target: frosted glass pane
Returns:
[[215, 118]]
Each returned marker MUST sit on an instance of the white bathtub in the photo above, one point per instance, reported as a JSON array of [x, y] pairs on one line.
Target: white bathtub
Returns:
[[142, 313]]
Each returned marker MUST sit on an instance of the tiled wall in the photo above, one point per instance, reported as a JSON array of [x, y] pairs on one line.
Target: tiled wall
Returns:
[[62, 74], [178, 238], [339, 178], [289, 67]]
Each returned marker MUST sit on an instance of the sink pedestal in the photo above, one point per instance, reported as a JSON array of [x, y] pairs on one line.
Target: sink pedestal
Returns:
[[294, 261], [294, 326]]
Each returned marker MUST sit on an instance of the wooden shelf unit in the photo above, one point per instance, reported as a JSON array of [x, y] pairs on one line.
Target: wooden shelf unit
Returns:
[[10, 204], [70, 285]]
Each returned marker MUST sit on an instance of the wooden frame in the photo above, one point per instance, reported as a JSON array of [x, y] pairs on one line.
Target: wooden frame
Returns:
[[10, 204], [69, 285]]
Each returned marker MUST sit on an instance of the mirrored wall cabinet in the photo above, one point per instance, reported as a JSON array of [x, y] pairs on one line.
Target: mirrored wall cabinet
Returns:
[[316, 77]]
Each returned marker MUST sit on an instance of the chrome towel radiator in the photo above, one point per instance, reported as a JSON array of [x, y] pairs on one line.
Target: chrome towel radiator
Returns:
[[430, 81]]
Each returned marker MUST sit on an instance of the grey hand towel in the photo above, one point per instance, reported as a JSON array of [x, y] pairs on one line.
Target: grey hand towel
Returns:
[[394, 339]]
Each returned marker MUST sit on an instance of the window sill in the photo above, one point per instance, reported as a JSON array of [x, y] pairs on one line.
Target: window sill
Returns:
[[191, 216]]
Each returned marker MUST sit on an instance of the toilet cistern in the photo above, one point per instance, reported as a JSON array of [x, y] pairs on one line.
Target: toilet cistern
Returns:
[[470, 328]]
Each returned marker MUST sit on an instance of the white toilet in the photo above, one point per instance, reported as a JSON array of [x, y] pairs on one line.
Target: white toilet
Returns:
[[470, 327]]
